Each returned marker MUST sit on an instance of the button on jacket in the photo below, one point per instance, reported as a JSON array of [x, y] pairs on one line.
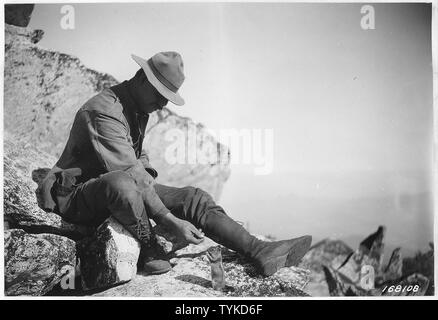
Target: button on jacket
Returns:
[[107, 135]]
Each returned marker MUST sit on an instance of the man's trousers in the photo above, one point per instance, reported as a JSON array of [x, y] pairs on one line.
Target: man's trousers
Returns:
[[116, 194]]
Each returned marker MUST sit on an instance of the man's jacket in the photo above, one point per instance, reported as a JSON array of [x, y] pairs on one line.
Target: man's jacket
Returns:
[[107, 135]]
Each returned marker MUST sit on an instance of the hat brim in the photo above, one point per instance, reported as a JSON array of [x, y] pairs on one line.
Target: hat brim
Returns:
[[173, 97]]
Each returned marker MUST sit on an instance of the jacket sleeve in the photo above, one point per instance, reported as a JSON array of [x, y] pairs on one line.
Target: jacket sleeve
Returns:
[[109, 138], [145, 161]]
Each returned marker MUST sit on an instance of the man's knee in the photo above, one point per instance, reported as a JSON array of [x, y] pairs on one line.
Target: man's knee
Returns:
[[120, 185], [200, 205], [200, 196]]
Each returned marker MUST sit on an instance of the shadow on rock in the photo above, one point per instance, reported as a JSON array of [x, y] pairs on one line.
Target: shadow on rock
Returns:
[[189, 255], [195, 280], [78, 290], [201, 282]]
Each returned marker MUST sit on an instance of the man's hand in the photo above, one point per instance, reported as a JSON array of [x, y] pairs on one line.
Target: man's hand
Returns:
[[182, 229]]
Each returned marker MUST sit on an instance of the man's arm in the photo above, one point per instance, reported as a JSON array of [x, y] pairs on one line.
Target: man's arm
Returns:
[[144, 158], [108, 136], [109, 139]]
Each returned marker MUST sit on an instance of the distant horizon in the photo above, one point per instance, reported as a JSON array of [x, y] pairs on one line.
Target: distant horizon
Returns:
[[338, 210]]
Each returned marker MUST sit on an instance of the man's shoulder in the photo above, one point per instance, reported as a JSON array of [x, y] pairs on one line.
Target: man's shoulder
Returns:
[[105, 102]]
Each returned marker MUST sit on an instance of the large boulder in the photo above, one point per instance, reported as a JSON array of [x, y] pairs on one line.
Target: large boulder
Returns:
[[35, 263], [109, 257], [22, 165], [191, 277]]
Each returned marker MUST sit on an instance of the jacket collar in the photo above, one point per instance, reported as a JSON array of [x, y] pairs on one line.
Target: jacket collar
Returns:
[[122, 92], [137, 120]]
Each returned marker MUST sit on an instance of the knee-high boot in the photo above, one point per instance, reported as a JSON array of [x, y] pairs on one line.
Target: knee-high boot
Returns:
[[200, 209], [268, 257]]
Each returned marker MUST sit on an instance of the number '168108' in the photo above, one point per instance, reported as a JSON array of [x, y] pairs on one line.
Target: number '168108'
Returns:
[[400, 288]]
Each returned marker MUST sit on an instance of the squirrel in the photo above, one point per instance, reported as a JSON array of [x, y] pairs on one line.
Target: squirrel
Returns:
[[217, 268]]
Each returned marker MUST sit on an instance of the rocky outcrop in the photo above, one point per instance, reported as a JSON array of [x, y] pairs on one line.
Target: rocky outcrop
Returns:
[[109, 257], [369, 255], [422, 263], [22, 163], [393, 270], [34, 264], [326, 252], [43, 89], [191, 277], [205, 162], [361, 272]]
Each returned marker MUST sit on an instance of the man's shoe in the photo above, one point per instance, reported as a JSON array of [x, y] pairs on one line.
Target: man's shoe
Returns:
[[153, 267], [269, 257], [153, 260]]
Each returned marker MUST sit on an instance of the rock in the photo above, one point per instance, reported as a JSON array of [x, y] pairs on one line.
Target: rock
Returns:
[[190, 277], [373, 246], [341, 285], [361, 273], [35, 263], [21, 164], [209, 176], [393, 270], [43, 89], [18, 14], [369, 255], [422, 263], [334, 286], [328, 252], [36, 36], [109, 257]]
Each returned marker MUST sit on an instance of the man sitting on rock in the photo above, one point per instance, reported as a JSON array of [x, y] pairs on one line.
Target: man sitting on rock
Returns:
[[103, 171]]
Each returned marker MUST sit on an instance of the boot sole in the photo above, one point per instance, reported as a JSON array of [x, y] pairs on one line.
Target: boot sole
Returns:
[[154, 273], [290, 259]]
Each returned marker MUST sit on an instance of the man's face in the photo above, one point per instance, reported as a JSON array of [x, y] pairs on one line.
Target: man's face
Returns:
[[148, 99]]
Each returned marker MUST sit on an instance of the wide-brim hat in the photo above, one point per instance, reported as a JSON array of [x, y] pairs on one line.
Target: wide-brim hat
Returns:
[[165, 71]]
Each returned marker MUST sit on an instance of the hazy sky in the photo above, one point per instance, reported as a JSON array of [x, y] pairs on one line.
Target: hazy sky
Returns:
[[351, 109]]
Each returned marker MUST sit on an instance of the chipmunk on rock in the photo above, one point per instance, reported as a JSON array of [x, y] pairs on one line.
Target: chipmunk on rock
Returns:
[[217, 269]]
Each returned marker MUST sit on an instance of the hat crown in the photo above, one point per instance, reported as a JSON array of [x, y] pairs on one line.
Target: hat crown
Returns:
[[165, 71], [170, 66]]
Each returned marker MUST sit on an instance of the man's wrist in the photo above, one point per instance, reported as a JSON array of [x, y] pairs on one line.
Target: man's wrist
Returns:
[[165, 219]]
